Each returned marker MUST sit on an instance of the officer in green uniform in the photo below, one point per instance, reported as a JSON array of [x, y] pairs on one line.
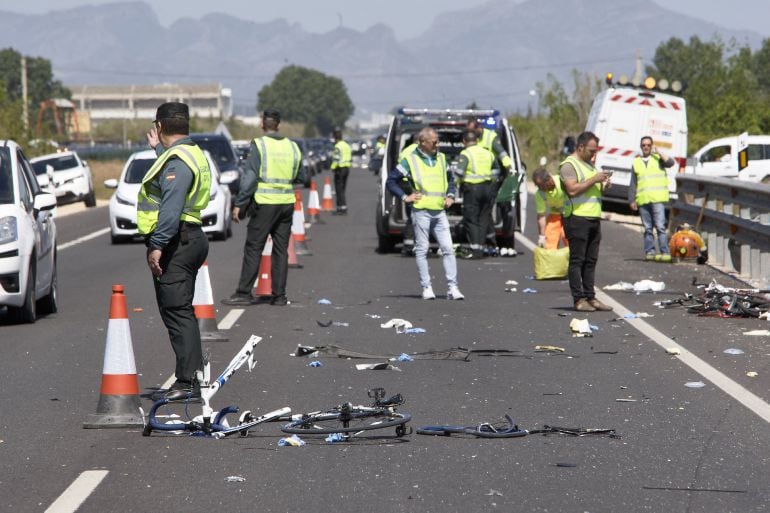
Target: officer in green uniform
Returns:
[[476, 176], [271, 170], [173, 193], [582, 213], [342, 159]]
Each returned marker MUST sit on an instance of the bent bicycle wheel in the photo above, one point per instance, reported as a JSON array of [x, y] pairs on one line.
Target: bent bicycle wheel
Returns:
[[334, 422]]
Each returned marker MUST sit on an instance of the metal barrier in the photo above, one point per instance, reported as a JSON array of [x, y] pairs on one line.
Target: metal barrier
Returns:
[[733, 217]]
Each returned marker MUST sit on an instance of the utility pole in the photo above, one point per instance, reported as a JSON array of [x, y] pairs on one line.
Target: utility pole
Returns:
[[24, 94]]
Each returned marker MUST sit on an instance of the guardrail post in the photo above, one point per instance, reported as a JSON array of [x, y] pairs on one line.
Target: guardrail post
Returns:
[[763, 257], [715, 242], [727, 243]]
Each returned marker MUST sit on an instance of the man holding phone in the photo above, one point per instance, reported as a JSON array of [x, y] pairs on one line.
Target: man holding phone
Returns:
[[648, 193]]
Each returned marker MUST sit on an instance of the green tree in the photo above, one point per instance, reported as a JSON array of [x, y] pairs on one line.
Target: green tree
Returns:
[[11, 124], [307, 96]]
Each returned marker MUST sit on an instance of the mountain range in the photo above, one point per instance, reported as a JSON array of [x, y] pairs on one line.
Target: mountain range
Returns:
[[492, 54]]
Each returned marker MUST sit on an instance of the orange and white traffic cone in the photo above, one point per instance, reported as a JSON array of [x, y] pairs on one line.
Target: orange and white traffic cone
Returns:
[[293, 260], [298, 227], [203, 304], [264, 283], [119, 405], [327, 202], [313, 204]]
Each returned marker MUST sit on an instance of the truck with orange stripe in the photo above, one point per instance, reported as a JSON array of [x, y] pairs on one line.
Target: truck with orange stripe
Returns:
[[621, 115]]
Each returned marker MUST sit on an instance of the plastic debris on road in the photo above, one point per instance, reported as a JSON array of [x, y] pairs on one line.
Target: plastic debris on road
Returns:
[[413, 331], [324, 301], [323, 324], [492, 492], [757, 333], [292, 441], [374, 316], [580, 328], [639, 286], [341, 324], [733, 351], [511, 289], [511, 282], [403, 357], [529, 291], [752, 374], [637, 315], [235, 479], [396, 323], [315, 363], [621, 285], [549, 349], [376, 366], [335, 437], [695, 384], [673, 350]]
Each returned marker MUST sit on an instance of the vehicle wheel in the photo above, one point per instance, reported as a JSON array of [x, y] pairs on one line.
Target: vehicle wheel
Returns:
[[50, 303], [385, 244], [27, 313], [766, 180], [116, 239], [220, 235], [329, 422], [90, 199]]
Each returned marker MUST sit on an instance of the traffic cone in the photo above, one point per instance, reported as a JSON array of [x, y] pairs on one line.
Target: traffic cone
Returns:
[[298, 227], [293, 261], [203, 304], [327, 202], [119, 405], [313, 204], [264, 283]]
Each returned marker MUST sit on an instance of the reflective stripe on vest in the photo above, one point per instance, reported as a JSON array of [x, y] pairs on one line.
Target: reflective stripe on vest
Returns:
[[651, 181], [279, 164], [343, 155], [588, 204], [148, 201], [430, 181], [479, 167]]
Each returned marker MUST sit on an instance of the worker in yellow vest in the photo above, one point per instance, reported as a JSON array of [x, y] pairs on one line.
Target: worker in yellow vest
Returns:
[[584, 185], [648, 193], [174, 191], [549, 205], [342, 160], [476, 177], [272, 169]]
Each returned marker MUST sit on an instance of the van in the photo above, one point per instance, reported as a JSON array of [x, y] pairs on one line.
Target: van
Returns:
[[720, 158], [620, 116]]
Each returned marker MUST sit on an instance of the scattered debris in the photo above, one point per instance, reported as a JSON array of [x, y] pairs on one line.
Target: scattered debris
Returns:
[[637, 315], [413, 331], [752, 374], [376, 366], [529, 291], [580, 328], [454, 353], [324, 324], [340, 324], [549, 349], [396, 323], [403, 357], [138, 309], [374, 316], [733, 351], [324, 301], [492, 492], [625, 400], [511, 289], [639, 286], [566, 465], [235, 479], [673, 350], [695, 384], [315, 363], [511, 282], [291, 441], [335, 437], [757, 333]]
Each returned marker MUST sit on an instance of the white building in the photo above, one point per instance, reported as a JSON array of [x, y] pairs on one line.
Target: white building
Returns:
[[102, 102]]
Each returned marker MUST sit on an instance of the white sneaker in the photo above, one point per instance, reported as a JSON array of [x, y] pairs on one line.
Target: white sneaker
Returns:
[[427, 293], [454, 293]]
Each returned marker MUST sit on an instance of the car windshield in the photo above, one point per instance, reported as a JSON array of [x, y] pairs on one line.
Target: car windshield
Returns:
[[58, 164], [6, 179], [137, 169], [221, 152]]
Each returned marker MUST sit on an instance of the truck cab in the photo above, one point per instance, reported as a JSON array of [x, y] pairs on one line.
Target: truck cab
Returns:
[[719, 158]]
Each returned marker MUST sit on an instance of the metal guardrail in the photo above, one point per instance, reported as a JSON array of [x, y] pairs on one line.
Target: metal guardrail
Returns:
[[733, 217]]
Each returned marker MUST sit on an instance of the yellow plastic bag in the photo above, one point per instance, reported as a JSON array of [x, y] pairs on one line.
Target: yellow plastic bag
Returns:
[[551, 263]]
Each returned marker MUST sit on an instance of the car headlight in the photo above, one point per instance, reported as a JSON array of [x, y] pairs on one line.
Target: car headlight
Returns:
[[124, 201], [8, 230]]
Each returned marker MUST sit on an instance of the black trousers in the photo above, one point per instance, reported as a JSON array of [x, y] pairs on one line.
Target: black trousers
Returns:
[[584, 235], [273, 220], [340, 183], [174, 290], [478, 200]]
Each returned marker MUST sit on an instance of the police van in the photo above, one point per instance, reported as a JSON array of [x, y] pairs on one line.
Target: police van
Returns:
[[720, 158], [621, 115], [391, 217]]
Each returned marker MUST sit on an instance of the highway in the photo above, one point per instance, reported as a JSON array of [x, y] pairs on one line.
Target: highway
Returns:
[[678, 449]]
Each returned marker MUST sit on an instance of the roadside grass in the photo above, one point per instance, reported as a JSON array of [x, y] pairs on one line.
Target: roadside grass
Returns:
[[101, 171]]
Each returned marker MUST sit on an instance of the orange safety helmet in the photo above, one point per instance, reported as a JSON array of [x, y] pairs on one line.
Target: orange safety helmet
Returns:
[[686, 243]]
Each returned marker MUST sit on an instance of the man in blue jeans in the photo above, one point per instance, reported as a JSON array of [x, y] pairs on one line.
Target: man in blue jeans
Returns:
[[648, 193], [433, 190]]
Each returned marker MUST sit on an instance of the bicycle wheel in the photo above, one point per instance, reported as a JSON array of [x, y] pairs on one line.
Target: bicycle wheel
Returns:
[[353, 421]]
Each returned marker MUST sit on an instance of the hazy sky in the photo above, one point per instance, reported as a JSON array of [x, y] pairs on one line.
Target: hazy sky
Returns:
[[407, 17]]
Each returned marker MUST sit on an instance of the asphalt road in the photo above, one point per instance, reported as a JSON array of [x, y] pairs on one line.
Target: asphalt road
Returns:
[[681, 449]]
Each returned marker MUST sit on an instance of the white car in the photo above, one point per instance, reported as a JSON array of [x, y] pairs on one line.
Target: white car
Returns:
[[216, 216], [72, 179], [27, 239]]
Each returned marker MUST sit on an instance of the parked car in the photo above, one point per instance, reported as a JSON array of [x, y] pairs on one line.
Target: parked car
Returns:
[[449, 124], [720, 158], [310, 164], [322, 149], [223, 153], [44, 175], [71, 175], [122, 208], [28, 284]]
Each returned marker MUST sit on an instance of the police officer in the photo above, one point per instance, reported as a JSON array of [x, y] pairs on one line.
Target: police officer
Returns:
[[583, 185], [474, 172], [174, 191], [271, 169], [342, 159]]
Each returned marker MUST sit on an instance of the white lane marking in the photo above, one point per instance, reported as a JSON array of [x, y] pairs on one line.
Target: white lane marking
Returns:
[[169, 382], [84, 238], [230, 319], [76, 494], [750, 400]]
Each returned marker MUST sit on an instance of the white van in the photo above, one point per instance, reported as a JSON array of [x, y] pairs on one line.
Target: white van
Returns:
[[720, 158], [620, 116]]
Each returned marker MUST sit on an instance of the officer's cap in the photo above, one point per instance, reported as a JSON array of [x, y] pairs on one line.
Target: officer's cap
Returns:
[[272, 114], [173, 110]]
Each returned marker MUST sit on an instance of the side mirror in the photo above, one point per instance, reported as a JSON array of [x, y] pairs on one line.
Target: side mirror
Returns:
[[111, 183], [85, 163], [44, 201]]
